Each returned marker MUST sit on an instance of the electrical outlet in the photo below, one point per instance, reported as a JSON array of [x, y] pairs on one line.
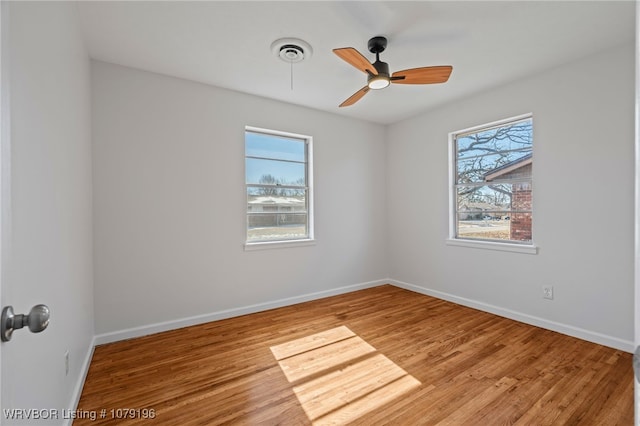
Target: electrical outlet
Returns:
[[66, 363], [547, 292]]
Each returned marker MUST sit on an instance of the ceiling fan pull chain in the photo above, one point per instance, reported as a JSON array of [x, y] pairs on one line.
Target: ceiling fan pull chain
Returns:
[[291, 50]]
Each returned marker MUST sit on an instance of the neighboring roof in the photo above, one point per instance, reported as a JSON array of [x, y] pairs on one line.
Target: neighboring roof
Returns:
[[509, 167], [478, 206], [279, 201]]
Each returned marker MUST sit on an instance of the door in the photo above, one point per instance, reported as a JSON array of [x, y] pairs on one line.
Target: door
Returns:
[[22, 359], [4, 122], [46, 246]]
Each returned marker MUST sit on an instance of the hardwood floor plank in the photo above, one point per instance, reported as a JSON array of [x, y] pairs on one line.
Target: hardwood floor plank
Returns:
[[308, 343], [450, 365], [357, 408], [469, 411]]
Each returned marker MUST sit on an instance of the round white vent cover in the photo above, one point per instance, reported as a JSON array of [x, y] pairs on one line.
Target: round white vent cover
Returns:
[[291, 50]]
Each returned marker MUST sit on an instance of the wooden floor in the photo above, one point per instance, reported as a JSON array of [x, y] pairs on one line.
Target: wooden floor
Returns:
[[377, 356]]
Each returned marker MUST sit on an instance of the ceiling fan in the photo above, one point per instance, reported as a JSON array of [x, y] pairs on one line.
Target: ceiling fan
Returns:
[[378, 72]]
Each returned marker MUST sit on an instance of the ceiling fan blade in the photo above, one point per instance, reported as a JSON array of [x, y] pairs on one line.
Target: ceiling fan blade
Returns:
[[355, 58], [424, 75], [355, 97]]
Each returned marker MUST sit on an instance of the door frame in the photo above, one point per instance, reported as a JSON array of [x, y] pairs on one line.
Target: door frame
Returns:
[[637, 211]]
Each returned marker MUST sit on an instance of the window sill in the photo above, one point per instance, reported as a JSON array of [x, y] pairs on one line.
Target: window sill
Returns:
[[264, 245], [491, 245]]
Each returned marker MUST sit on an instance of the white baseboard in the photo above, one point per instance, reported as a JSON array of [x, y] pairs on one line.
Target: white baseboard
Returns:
[[77, 390], [590, 336], [580, 333], [145, 330]]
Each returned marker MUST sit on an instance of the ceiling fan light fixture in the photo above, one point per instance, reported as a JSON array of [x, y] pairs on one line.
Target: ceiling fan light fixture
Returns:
[[378, 82]]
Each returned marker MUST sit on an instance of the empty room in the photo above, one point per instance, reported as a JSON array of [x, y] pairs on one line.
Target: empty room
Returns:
[[318, 213]]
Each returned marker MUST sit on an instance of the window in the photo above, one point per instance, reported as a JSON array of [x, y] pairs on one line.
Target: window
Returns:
[[492, 189], [278, 186]]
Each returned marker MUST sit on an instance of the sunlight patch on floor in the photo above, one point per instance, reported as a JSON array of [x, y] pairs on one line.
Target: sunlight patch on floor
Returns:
[[338, 377]]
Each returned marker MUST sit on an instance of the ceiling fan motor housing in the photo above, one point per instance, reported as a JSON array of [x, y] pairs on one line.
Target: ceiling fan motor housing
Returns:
[[382, 68], [381, 80]]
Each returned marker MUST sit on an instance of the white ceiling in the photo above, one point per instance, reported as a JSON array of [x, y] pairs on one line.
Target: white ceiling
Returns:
[[227, 44]]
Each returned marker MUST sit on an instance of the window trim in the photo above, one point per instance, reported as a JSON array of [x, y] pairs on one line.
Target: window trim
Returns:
[[452, 239], [297, 242]]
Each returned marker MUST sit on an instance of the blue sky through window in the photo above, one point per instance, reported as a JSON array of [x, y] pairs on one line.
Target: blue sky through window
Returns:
[[282, 157], [515, 138], [482, 152]]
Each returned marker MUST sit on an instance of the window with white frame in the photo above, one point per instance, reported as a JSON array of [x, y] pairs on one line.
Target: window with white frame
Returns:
[[278, 186], [491, 174]]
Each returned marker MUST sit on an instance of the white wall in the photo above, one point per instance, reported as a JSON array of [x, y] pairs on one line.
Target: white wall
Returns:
[[170, 205], [50, 251], [583, 202]]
